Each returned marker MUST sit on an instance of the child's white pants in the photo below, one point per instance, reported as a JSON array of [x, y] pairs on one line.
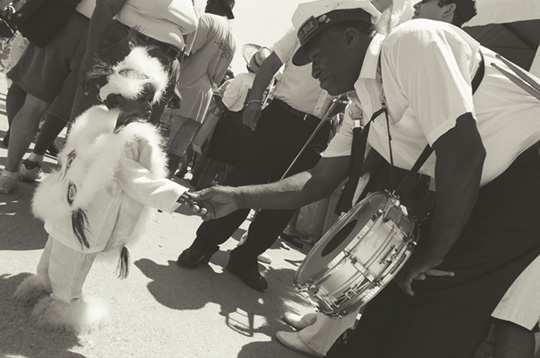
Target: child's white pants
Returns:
[[63, 270]]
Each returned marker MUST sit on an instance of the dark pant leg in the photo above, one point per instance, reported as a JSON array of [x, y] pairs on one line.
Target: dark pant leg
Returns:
[[269, 224], [214, 232], [268, 152], [51, 128]]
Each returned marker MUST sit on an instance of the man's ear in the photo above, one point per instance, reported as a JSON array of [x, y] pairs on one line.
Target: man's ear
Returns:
[[351, 36], [449, 9]]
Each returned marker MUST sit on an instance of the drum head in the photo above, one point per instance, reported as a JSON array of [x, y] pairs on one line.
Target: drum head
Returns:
[[328, 252]]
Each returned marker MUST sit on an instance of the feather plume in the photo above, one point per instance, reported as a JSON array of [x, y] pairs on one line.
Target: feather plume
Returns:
[[79, 222]]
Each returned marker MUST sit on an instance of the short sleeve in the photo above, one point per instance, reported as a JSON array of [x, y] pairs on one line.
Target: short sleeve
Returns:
[[432, 71], [341, 143], [285, 47]]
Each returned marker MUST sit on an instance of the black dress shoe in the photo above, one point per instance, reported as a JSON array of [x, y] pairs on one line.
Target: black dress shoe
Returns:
[[249, 275], [191, 258]]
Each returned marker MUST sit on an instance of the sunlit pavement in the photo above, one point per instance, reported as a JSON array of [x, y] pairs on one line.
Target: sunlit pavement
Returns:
[[160, 310]]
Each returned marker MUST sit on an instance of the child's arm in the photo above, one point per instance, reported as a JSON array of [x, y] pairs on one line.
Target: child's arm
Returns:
[[139, 183]]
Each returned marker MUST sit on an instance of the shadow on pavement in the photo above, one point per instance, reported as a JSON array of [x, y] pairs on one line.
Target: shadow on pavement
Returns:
[[191, 289], [19, 337], [254, 349], [20, 229]]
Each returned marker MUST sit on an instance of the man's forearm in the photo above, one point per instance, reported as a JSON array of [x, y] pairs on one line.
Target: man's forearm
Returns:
[[454, 206], [458, 172], [266, 72]]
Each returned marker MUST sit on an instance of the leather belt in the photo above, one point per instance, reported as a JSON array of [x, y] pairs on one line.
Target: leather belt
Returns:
[[168, 49], [303, 116]]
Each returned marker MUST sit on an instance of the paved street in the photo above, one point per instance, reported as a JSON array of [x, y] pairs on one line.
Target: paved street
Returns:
[[160, 310]]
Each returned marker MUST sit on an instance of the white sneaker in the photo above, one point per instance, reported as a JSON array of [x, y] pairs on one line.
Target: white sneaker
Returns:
[[30, 171], [8, 181], [299, 322]]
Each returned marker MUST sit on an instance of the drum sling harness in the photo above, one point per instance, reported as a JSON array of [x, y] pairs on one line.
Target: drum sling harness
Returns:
[[358, 150]]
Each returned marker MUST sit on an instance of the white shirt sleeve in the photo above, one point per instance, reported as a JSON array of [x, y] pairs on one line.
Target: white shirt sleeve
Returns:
[[285, 47], [233, 93], [431, 69], [181, 13], [140, 184], [341, 143]]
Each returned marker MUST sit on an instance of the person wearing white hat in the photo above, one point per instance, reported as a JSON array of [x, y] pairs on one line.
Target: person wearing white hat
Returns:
[[440, 303]]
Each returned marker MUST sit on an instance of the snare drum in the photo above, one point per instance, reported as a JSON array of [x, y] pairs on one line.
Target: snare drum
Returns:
[[358, 255]]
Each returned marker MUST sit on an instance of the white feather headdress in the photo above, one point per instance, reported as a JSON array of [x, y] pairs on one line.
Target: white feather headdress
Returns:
[[130, 76]]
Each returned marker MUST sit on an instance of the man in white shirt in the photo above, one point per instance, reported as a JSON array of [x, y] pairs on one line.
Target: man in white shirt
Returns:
[[280, 131], [484, 168]]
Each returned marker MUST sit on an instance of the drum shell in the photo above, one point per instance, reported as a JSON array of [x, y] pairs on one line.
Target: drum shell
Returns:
[[358, 256]]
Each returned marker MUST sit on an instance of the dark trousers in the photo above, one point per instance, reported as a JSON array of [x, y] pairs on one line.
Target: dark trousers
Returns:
[[448, 316], [267, 154]]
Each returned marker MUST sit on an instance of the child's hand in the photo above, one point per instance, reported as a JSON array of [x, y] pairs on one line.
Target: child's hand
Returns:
[[195, 206]]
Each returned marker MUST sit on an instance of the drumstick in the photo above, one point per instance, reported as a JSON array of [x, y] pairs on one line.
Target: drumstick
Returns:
[[520, 72], [326, 116], [533, 92]]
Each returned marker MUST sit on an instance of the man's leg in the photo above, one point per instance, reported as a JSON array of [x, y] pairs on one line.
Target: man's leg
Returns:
[[269, 224], [14, 101], [214, 232]]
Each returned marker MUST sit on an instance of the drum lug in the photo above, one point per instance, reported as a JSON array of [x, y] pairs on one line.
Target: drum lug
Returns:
[[367, 274], [391, 256], [411, 245]]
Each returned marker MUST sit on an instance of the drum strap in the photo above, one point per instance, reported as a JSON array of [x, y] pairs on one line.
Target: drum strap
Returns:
[[358, 150]]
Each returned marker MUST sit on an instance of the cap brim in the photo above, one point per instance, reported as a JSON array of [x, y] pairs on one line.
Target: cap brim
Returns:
[[248, 50], [230, 14], [301, 57]]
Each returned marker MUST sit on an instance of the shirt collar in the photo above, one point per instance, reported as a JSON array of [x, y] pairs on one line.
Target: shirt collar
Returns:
[[367, 87], [371, 59]]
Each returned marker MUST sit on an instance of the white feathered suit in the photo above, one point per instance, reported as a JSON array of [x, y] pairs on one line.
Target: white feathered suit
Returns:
[[100, 199]]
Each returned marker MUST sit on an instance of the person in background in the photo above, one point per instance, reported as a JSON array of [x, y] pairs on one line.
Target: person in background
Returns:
[[280, 131], [211, 52], [226, 145], [117, 26], [39, 77]]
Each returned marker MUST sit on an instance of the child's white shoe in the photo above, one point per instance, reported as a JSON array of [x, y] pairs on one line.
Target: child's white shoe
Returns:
[[80, 316]]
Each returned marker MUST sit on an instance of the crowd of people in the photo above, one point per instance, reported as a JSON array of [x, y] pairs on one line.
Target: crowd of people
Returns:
[[422, 97]]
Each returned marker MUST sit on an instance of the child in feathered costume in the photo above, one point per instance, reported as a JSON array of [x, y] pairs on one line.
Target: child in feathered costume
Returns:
[[113, 172]]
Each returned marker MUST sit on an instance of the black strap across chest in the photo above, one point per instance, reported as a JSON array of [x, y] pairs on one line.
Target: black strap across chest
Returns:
[[358, 150]]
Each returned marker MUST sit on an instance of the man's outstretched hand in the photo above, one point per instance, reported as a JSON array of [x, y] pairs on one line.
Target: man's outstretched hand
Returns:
[[214, 202]]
